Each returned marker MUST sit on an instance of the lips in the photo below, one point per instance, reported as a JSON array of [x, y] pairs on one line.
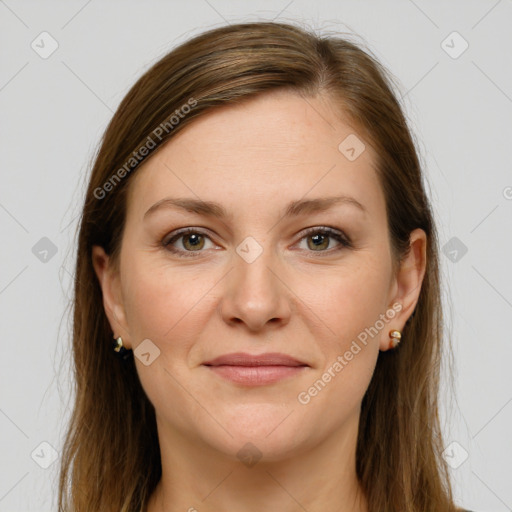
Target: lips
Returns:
[[243, 359], [255, 370]]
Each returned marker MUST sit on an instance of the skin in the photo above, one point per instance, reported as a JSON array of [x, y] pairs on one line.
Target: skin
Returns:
[[294, 298]]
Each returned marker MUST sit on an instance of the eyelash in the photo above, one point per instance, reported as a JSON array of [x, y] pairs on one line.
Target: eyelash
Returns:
[[344, 241]]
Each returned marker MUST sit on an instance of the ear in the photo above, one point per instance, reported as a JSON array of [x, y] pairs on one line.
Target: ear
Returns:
[[110, 284], [406, 284]]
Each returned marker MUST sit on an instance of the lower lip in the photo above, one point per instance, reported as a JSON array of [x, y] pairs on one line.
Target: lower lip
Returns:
[[256, 375]]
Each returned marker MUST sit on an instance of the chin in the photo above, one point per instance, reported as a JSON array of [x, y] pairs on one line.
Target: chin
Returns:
[[251, 450], [268, 432]]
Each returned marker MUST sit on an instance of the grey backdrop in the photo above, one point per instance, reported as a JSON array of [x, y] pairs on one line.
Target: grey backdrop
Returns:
[[65, 67]]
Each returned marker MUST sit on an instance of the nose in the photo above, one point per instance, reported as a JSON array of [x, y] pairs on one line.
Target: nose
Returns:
[[255, 294]]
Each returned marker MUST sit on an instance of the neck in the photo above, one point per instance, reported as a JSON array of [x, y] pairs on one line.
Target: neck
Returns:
[[196, 478]]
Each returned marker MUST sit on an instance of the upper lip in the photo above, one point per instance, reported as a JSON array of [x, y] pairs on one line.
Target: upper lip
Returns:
[[243, 359]]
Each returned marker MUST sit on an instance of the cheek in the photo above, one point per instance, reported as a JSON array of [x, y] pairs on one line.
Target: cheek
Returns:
[[349, 309], [162, 302], [347, 301]]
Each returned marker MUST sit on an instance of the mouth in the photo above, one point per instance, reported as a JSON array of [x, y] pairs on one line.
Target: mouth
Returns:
[[256, 370]]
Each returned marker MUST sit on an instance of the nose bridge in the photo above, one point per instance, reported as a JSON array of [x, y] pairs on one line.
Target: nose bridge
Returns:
[[254, 294]]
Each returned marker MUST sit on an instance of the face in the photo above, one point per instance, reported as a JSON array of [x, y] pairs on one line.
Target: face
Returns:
[[286, 273]]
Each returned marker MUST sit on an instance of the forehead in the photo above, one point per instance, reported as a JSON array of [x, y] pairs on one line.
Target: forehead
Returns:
[[269, 149]]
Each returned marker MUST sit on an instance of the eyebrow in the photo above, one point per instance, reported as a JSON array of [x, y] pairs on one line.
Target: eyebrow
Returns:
[[294, 208]]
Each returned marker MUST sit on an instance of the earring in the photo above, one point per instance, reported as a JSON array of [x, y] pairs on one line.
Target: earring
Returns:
[[120, 351], [395, 338]]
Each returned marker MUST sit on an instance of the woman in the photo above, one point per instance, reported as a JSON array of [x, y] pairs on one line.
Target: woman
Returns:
[[257, 240]]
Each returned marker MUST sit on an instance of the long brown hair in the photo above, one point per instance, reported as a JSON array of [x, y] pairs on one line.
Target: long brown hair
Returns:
[[111, 458]]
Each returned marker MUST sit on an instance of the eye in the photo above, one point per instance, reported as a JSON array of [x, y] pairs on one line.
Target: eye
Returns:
[[318, 239], [192, 241]]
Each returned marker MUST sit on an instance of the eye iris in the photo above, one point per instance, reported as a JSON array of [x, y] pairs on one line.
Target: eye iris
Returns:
[[197, 239], [318, 241]]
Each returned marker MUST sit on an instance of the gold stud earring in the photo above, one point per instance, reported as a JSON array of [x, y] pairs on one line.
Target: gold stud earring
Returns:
[[395, 336], [118, 344], [120, 351]]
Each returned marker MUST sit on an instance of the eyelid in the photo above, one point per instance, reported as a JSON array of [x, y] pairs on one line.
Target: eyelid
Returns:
[[326, 229]]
